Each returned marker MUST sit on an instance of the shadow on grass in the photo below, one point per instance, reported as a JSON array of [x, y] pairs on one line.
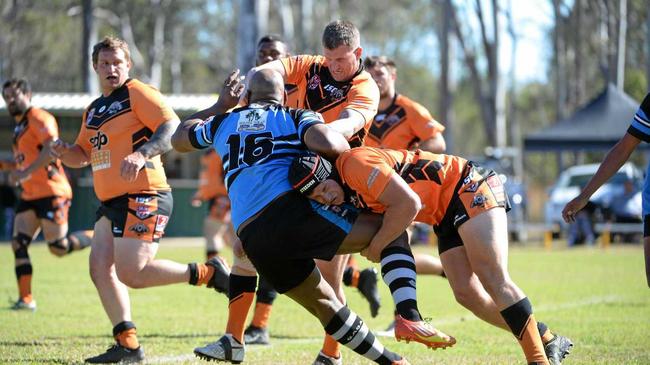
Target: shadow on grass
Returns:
[[21, 360]]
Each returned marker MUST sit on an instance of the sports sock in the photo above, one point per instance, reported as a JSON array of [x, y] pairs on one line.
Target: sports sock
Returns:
[[398, 272], [351, 277], [544, 333], [350, 330], [331, 347], [200, 274], [23, 268], [242, 292], [125, 334], [210, 254], [262, 314], [523, 325]]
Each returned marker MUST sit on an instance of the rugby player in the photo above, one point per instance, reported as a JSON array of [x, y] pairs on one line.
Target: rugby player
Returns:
[[465, 204], [122, 135], [46, 193], [280, 232]]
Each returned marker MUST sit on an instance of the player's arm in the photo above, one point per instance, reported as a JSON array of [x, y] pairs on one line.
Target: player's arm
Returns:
[[611, 164], [180, 140], [44, 157], [325, 141], [402, 204], [71, 155], [231, 90], [435, 144], [349, 122]]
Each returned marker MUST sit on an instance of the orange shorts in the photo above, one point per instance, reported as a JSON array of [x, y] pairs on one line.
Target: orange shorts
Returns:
[[143, 216], [479, 190]]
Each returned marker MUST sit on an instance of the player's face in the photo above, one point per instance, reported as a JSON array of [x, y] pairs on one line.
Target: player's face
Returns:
[[270, 51], [343, 61], [112, 69], [328, 192], [17, 102], [384, 78]]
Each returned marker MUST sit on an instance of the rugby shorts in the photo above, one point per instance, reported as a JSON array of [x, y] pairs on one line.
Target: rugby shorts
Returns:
[[142, 216], [292, 231], [477, 191], [52, 208]]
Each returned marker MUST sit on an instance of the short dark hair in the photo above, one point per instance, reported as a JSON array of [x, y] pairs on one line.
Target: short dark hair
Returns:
[[112, 43], [270, 38], [379, 61], [339, 33], [20, 84]]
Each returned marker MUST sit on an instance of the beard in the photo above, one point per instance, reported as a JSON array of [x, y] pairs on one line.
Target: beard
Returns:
[[15, 111]]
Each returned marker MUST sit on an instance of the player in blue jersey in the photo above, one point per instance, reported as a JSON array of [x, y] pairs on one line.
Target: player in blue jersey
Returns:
[[638, 131], [281, 231]]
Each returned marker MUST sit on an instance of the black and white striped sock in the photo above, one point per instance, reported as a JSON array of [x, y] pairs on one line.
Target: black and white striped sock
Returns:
[[398, 272], [350, 330]]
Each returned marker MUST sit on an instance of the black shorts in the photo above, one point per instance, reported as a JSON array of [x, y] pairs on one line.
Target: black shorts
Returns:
[[143, 216], [646, 225], [53, 208], [292, 231], [478, 191]]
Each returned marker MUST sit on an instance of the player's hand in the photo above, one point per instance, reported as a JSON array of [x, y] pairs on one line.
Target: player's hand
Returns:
[[572, 208], [231, 90], [131, 165], [195, 202], [18, 176], [58, 148], [372, 253]]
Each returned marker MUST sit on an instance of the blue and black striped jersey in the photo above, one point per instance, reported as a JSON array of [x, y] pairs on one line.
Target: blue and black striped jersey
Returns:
[[640, 126], [257, 144]]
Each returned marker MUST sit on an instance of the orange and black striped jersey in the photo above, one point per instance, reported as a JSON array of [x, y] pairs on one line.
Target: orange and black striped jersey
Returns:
[[115, 126], [318, 91], [433, 177], [402, 125], [211, 183], [37, 127]]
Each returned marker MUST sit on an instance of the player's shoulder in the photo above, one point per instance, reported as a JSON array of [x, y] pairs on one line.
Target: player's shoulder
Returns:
[[410, 104], [139, 87], [36, 114]]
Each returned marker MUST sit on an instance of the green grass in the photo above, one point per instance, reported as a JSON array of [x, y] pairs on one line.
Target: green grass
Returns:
[[599, 299]]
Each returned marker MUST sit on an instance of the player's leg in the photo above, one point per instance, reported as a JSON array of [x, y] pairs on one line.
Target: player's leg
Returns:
[[332, 272], [428, 265], [398, 272], [257, 331], [26, 227], [114, 296], [54, 222], [485, 237]]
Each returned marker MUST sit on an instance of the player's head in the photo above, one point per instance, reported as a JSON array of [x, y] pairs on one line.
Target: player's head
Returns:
[[17, 94], [342, 49], [383, 71], [314, 177], [112, 62], [266, 85], [270, 48]]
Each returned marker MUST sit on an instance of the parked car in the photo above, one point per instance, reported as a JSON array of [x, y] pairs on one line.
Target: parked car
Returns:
[[573, 179]]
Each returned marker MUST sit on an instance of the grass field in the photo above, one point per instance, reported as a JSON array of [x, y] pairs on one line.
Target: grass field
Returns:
[[597, 298]]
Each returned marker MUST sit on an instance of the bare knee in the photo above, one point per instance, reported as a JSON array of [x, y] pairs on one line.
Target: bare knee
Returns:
[[100, 270], [130, 278], [59, 247], [467, 297]]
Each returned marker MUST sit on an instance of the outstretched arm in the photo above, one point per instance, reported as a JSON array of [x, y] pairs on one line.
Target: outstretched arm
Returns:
[[610, 165], [71, 155]]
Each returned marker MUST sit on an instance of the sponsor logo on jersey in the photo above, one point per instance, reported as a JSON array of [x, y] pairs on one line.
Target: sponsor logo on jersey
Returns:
[[91, 114], [115, 107], [143, 199], [139, 229], [314, 81], [251, 120], [101, 110], [497, 188], [99, 140], [373, 176], [335, 93]]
